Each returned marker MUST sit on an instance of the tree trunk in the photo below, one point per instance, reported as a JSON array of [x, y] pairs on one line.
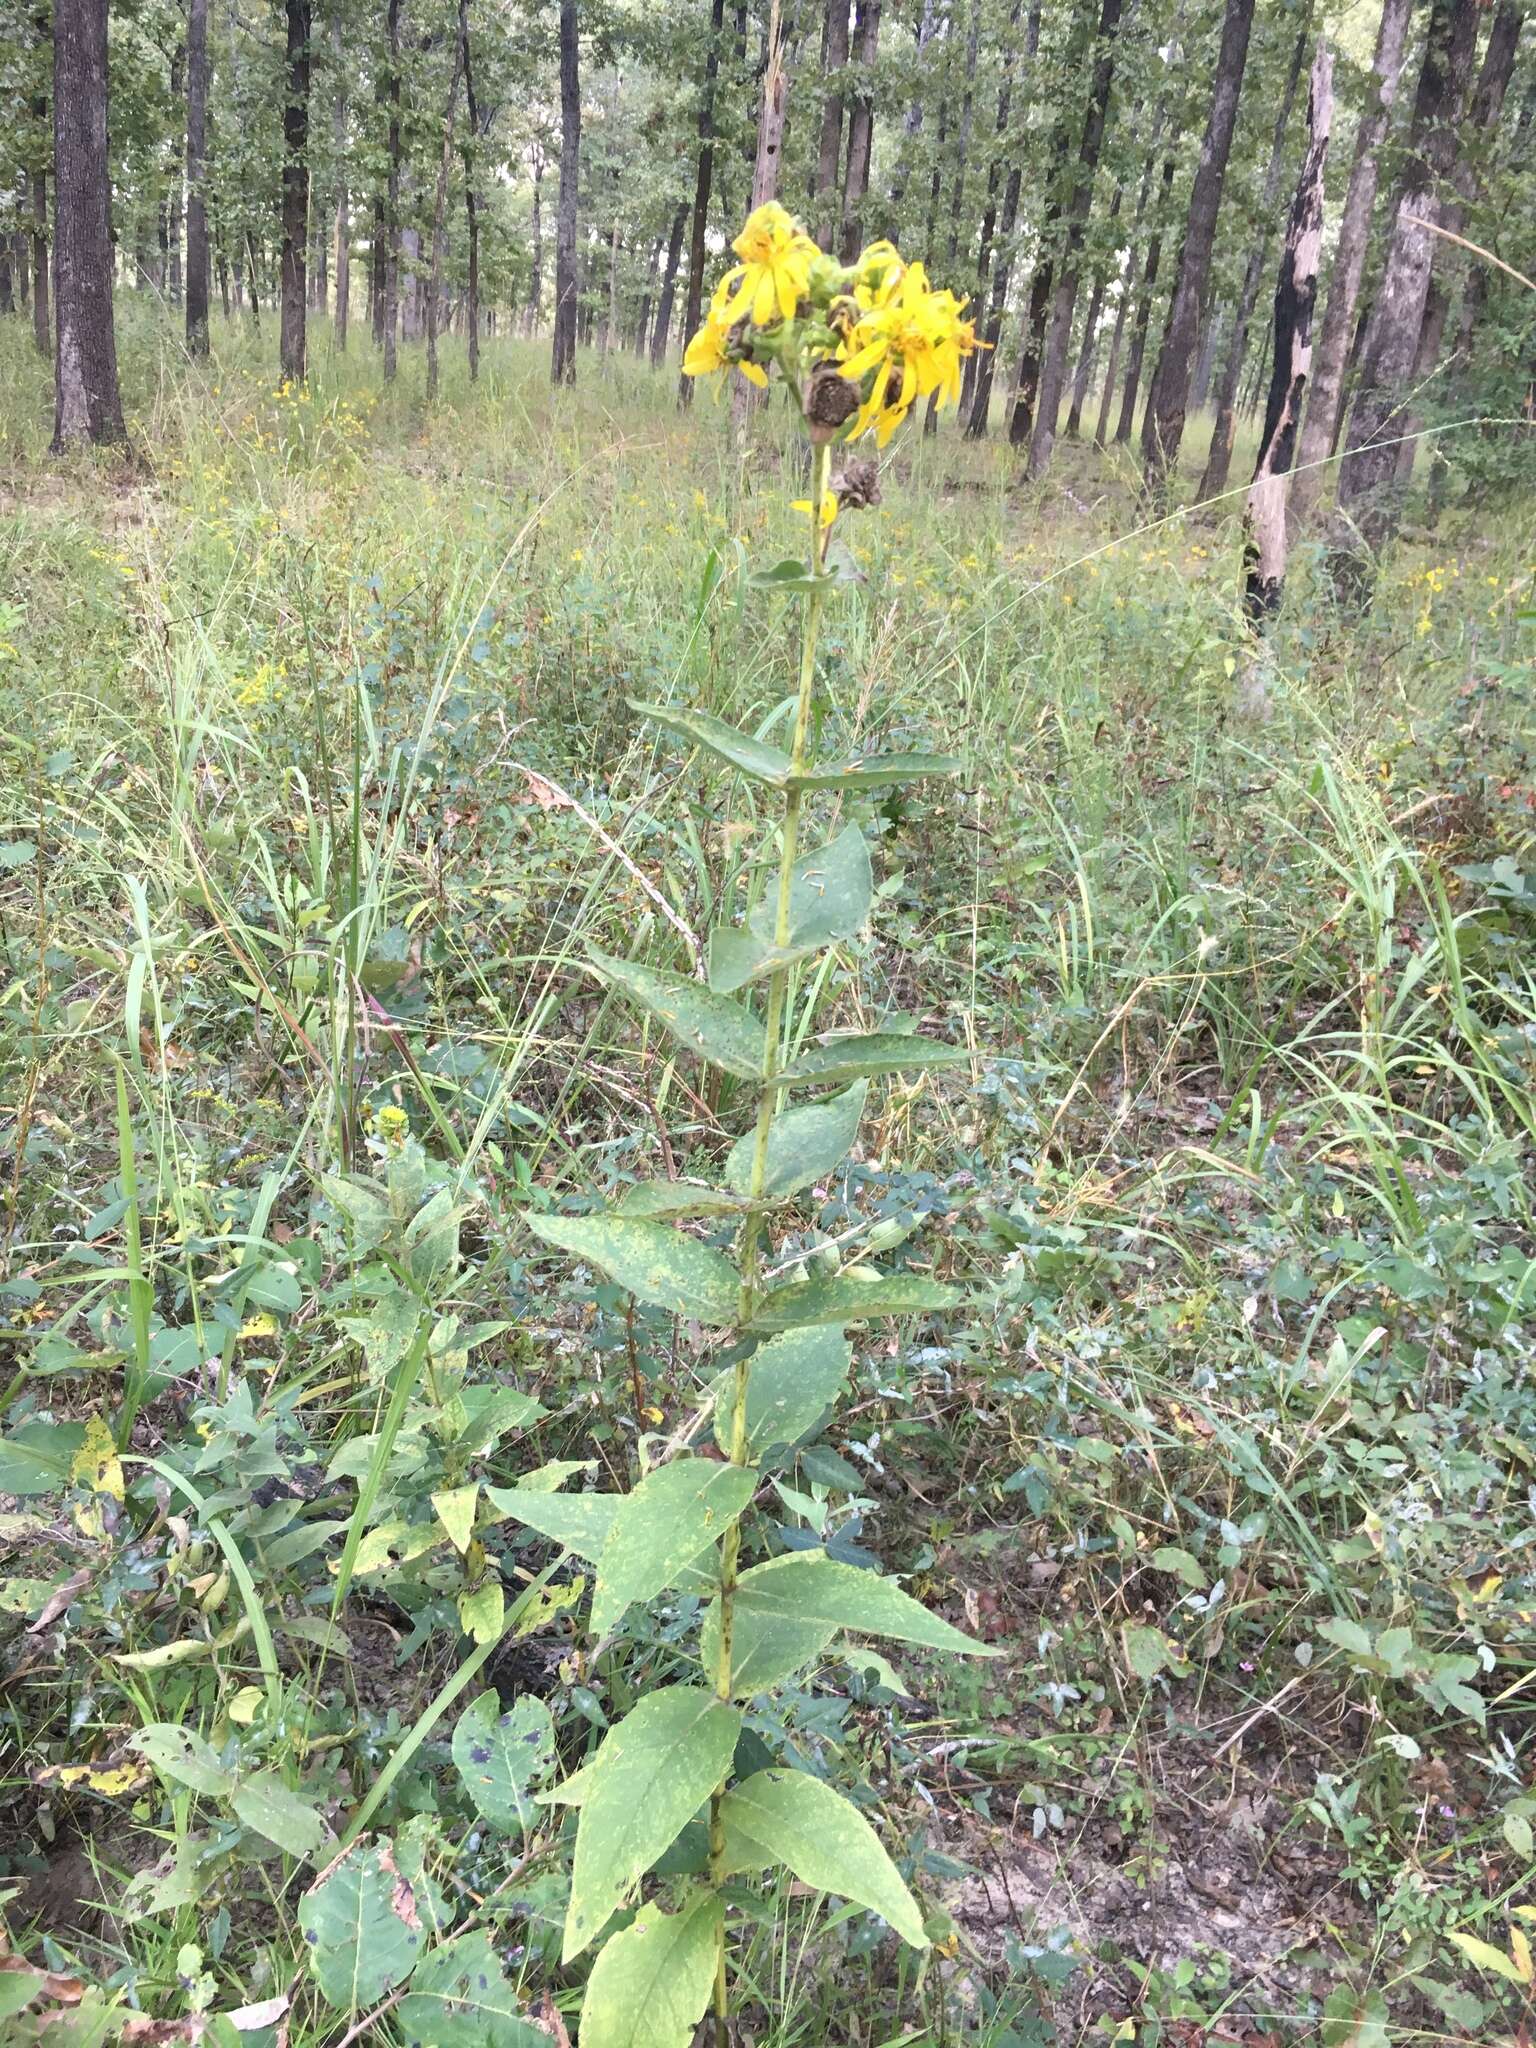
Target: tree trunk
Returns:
[[1141, 326], [1323, 409], [197, 177], [343, 225], [173, 205], [7, 296], [1369, 495], [1064, 303], [536, 247], [563, 355], [390, 310], [1163, 428], [1219, 461], [663, 327], [1205, 362], [1295, 300], [1123, 304], [1001, 270], [87, 405], [698, 254], [829, 155], [1088, 353], [611, 315], [42, 332], [291, 346], [471, 208], [376, 261], [439, 214], [861, 127], [21, 257]]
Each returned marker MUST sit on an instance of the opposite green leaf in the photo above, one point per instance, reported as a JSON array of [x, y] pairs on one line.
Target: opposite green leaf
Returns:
[[652, 1982], [580, 1522], [673, 1515], [459, 1998], [363, 1927], [721, 1031], [501, 1756], [878, 771], [183, 1757], [264, 1803], [648, 1779], [788, 1817], [792, 1381], [830, 895], [764, 763], [655, 1264], [877, 1052], [849, 1297], [658, 1198], [803, 1144]]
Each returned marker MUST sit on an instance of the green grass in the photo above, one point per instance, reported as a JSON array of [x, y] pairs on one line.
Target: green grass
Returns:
[[315, 726]]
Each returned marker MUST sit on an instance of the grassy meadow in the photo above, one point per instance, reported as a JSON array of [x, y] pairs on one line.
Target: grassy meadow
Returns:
[[317, 774]]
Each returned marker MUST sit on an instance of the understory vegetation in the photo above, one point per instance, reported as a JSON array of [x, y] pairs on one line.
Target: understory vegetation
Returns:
[[321, 780]]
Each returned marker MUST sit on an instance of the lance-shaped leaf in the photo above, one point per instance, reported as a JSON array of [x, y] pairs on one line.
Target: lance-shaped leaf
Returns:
[[852, 1296], [580, 1522], [649, 1778], [658, 1198], [878, 771], [871, 1053], [184, 1757], [363, 1925], [460, 1998], [719, 1030], [651, 1983], [764, 763], [788, 1817], [501, 1756], [830, 894], [803, 1144], [788, 1610], [792, 1381], [657, 1265], [673, 1515]]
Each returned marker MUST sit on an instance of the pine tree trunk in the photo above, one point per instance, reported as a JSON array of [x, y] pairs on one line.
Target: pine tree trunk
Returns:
[[343, 223], [439, 219], [661, 331], [1369, 494], [1162, 429], [698, 254], [389, 314], [567, 291], [1319, 431], [1058, 342], [1141, 326], [291, 346], [861, 127], [1295, 302], [87, 405], [829, 153], [471, 207], [1219, 461], [197, 177]]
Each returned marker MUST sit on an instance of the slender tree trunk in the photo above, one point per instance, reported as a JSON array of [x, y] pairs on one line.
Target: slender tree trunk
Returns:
[[7, 296], [829, 154], [1123, 304], [698, 254], [42, 331], [663, 327], [471, 208], [1369, 494], [390, 308], [563, 356], [1088, 353], [861, 126], [1295, 301], [252, 300], [173, 203], [1053, 373], [291, 346], [87, 405], [197, 177], [343, 227], [377, 260], [611, 315], [1205, 362], [536, 248], [439, 219], [1319, 431], [772, 110], [1163, 427], [1219, 461], [222, 266], [999, 271], [21, 256], [1141, 326]]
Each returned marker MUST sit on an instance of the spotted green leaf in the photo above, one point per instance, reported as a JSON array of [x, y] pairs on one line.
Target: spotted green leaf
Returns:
[[764, 763], [460, 1998], [792, 1381], [851, 1296], [719, 1030], [871, 1053], [673, 1515], [579, 1522], [363, 1926], [830, 894], [654, 1263], [804, 1144], [788, 1817], [651, 1983], [501, 1755], [877, 771]]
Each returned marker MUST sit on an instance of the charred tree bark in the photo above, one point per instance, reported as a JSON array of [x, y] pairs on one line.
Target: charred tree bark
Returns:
[[861, 127], [1162, 430], [1369, 494], [291, 346], [87, 404], [829, 154], [562, 367], [42, 329], [662, 329], [197, 177], [698, 254]]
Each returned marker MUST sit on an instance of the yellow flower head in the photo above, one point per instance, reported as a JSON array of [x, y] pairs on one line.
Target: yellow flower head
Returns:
[[775, 268], [710, 349], [912, 337]]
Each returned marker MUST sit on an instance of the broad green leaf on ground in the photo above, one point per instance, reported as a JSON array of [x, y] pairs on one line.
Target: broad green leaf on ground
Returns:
[[788, 1817], [580, 1522], [870, 1053], [803, 1144], [1148, 1651], [36, 1458], [851, 1296], [792, 1381], [658, 1198], [183, 1757], [362, 1924], [722, 1032], [764, 763], [650, 1776], [501, 1756], [830, 893], [654, 1263], [264, 1803], [674, 1514], [460, 1998], [651, 1983], [789, 1609], [877, 771]]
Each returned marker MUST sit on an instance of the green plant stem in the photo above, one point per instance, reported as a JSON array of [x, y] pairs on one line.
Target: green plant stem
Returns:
[[140, 1292], [751, 1237]]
